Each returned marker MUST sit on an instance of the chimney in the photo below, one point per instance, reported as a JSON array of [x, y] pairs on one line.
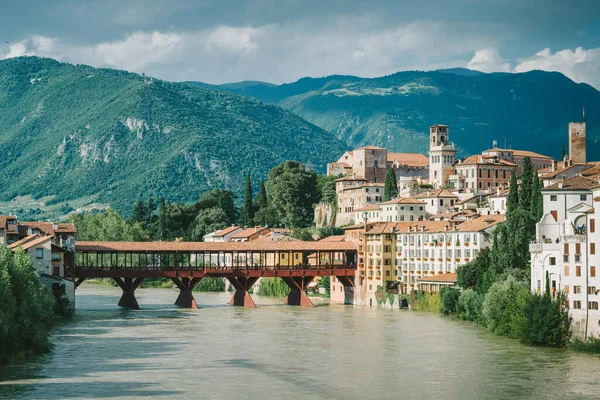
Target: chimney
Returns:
[[560, 185], [422, 228], [446, 228]]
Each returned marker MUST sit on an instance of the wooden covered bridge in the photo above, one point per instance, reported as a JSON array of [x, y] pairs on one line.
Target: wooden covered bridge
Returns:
[[241, 263]]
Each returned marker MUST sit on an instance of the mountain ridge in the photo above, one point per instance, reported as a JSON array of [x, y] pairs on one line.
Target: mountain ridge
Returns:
[[528, 110], [72, 131]]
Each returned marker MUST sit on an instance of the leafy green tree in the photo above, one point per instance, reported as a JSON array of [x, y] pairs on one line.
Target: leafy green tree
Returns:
[[207, 221], [470, 304], [545, 321], [390, 189], [513, 195], [139, 212], [209, 284], [223, 199], [471, 274], [292, 192], [247, 212], [107, 226], [326, 188], [266, 216], [503, 307], [303, 234], [449, 297], [326, 284], [526, 184]]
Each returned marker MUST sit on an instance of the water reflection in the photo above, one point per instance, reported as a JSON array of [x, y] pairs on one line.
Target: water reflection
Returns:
[[276, 351]]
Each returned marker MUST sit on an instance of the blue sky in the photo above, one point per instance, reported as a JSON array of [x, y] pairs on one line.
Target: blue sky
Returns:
[[282, 41]]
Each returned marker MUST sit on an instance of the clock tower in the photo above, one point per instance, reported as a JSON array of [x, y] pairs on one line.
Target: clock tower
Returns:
[[442, 155]]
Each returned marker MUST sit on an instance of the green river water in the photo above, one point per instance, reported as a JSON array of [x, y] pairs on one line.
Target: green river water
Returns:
[[284, 352]]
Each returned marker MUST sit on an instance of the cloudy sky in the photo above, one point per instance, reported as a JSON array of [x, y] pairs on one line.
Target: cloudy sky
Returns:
[[283, 40]]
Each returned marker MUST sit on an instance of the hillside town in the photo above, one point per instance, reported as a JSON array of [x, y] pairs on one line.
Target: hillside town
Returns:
[[444, 213]]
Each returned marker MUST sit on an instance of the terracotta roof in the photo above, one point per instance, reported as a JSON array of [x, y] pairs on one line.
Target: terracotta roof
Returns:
[[246, 233], [530, 154], [370, 148], [591, 172], [410, 159], [478, 159], [435, 193], [369, 207], [336, 238], [270, 238], [225, 231], [351, 178], [30, 241], [574, 183], [466, 200], [551, 175], [481, 223], [448, 277], [503, 193], [49, 228], [254, 245], [402, 227], [404, 200]]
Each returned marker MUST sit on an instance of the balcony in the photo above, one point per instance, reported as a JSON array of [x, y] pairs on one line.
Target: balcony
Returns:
[[535, 247], [573, 239]]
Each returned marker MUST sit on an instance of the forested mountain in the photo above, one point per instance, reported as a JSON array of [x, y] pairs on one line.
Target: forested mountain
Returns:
[[526, 111], [111, 136]]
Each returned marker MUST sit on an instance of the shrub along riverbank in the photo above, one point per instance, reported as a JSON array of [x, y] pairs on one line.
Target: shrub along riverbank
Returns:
[[27, 309]]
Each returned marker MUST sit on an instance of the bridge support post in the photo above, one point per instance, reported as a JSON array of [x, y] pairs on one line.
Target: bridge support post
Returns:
[[241, 297], [186, 298], [128, 285], [298, 286], [348, 283]]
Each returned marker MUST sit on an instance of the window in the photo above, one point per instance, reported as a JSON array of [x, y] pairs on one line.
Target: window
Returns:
[[503, 174], [441, 202], [592, 305], [592, 271], [552, 197], [565, 258], [496, 173], [576, 289], [592, 248], [479, 172], [55, 256], [578, 270], [566, 271], [39, 253], [489, 173], [387, 249], [552, 260], [577, 257], [583, 197], [387, 261], [577, 304], [592, 290], [592, 225]]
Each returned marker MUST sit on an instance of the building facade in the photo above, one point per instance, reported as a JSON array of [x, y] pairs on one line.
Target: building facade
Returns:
[[442, 156]]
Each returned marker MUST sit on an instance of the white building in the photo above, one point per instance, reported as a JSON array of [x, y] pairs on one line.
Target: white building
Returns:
[[497, 202], [564, 252], [442, 155], [438, 201]]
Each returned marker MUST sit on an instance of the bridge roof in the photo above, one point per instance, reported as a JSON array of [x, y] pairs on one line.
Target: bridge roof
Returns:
[[213, 246]]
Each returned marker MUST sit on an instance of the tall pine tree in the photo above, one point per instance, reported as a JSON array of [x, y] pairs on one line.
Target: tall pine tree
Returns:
[[526, 185], [261, 198], [162, 219], [390, 190], [247, 212], [513, 195]]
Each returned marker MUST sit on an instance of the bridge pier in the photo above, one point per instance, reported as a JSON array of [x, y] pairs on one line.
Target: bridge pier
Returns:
[[128, 285], [298, 286], [241, 297], [186, 286]]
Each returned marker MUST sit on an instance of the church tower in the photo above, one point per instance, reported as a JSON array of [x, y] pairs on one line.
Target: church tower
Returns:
[[442, 155]]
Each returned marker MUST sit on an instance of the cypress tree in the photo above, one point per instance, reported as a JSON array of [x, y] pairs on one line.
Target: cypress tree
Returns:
[[390, 190], [526, 185], [139, 212], [162, 219], [260, 201], [247, 212], [513, 195], [537, 202]]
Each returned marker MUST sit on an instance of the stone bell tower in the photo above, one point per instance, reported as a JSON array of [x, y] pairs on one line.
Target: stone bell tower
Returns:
[[442, 155]]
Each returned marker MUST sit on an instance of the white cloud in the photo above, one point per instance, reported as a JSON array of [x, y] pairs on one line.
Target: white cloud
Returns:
[[580, 65], [17, 49], [488, 60], [275, 53]]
